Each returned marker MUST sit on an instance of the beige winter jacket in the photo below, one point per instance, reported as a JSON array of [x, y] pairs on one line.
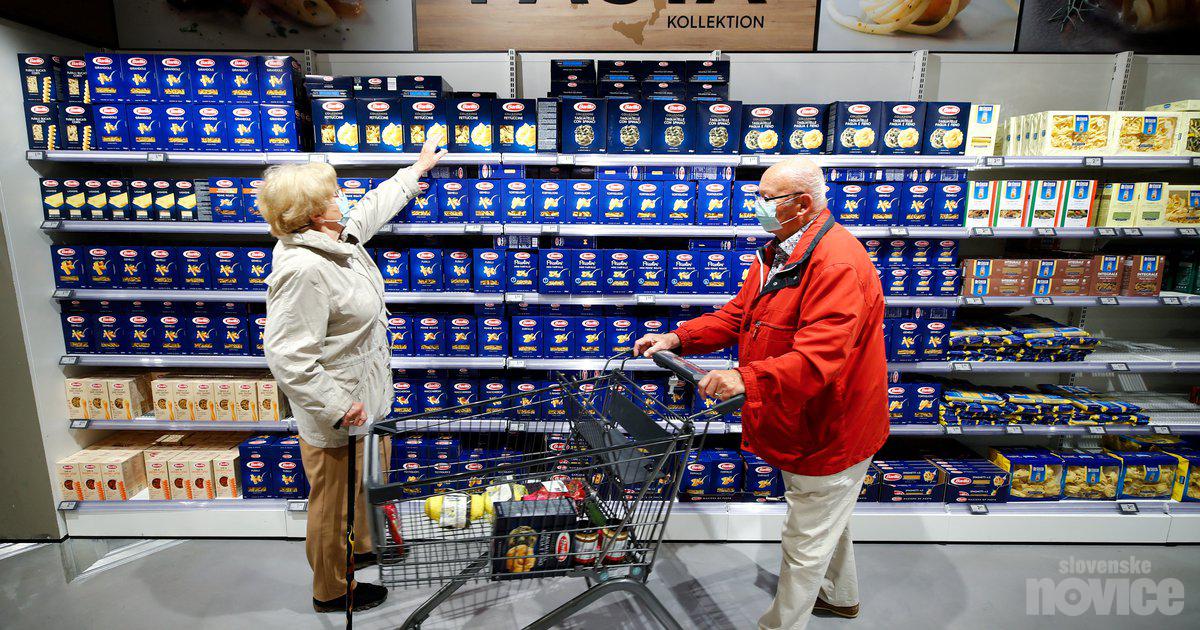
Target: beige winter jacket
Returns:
[[326, 335]]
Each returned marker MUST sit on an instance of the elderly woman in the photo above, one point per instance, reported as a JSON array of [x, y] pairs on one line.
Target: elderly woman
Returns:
[[326, 343]]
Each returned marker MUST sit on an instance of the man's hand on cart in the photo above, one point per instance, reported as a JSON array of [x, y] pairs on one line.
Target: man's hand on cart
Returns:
[[721, 384], [356, 416], [649, 344]]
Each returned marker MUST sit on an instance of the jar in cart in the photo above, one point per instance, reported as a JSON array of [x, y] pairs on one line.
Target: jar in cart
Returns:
[[587, 548], [618, 545]]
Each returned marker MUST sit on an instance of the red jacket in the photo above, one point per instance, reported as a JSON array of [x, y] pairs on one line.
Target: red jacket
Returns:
[[811, 353]]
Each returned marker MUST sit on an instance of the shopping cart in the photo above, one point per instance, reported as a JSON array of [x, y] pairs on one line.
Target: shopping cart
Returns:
[[572, 479]]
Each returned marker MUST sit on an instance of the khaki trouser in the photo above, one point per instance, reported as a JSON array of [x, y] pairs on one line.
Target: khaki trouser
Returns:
[[325, 542], [818, 554]]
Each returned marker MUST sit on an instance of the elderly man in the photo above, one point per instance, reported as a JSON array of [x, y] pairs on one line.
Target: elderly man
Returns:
[[808, 322]]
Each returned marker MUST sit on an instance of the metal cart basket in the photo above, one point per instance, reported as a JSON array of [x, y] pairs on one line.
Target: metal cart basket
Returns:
[[576, 478]]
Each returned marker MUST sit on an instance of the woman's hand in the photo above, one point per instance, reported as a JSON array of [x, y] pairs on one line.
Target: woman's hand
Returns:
[[429, 155], [356, 417]]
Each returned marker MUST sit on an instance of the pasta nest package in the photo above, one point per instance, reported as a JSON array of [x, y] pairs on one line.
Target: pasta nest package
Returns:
[[1090, 474], [1187, 473], [1035, 474], [1145, 475]]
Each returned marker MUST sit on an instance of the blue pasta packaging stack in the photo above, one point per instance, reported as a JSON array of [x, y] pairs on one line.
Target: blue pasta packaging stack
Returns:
[[429, 335], [854, 127], [521, 268], [586, 270], [456, 265], [744, 196], [226, 268], [716, 272], [679, 203], [949, 202], [550, 199], [560, 337], [762, 482], [393, 265], [885, 202], [673, 125], [489, 271], [650, 271], [583, 125], [718, 127], [583, 202], [761, 128], [619, 273], [616, 203], [553, 272], [902, 125], [619, 335], [470, 122], [590, 337], [133, 271], [460, 336], [804, 128], [425, 270], [712, 203], [69, 267], [492, 336], [400, 335], [517, 198], [629, 129], [453, 200], [528, 337], [647, 203], [682, 273]]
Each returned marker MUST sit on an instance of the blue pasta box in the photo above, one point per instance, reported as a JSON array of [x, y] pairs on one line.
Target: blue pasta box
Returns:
[[517, 198], [429, 335], [73, 204], [489, 271], [876, 251], [742, 262], [146, 131], [516, 125], [460, 336], [906, 341], [897, 281], [279, 78], [225, 199], [902, 125], [179, 127], [172, 332], [164, 268], [804, 126], [212, 127], [279, 124], [948, 205], [650, 271], [707, 92], [258, 460], [470, 123], [936, 341], [921, 253], [923, 281], [898, 253], [405, 402], [335, 125], [590, 338], [718, 127], [647, 203], [619, 335], [484, 201], [683, 274], [258, 330], [41, 77], [202, 329], [95, 199], [464, 393], [674, 127], [554, 272], [116, 192], [885, 203], [586, 270], [679, 203], [854, 127], [521, 267], [41, 126], [1039, 466], [256, 266], [112, 128], [762, 481], [425, 270], [561, 333], [185, 199], [226, 268], [288, 480], [744, 196], [165, 207], [456, 264], [945, 128], [70, 267], [899, 403], [400, 335], [616, 203], [582, 206], [712, 203], [423, 117], [491, 334], [528, 340], [244, 127], [133, 270], [233, 331], [583, 125], [109, 324], [619, 270], [916, 204], [454, 200], [716, 272], [551, 199], [209, 84], [242, 76], [139, 73], [75, 129], [926, 400], [493, 389], [250, 211], [629, 129], [945, 253], [762, 126], [949, 281], [101, 265], [139, 329], [855, 203], [104, 77]]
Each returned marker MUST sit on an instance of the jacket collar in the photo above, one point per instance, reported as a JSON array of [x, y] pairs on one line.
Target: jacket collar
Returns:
[[790, 274], [318, 241], [801, 246]]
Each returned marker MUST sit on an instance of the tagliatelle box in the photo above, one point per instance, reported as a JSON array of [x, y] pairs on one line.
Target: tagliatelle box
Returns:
[[1047, 203]]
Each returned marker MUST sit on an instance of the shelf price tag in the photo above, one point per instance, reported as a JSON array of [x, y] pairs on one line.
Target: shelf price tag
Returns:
[[1188, 232], [156, 156], [978, 509], [1118, 367], [953, 430], [79, 424], [52, 225], [472, 228], [1096, 430], [1109, 301], [69, 359], [514, 297], [993, 161], [35, 155], [318, 157], [1106, 231], [297, 505], [64, 294], [1093, 161], [518, 427], [1043, 301], [550, 229], [1161, 430], [516, 364], [644, 299], [973, 301], [1131, 231], [1014, 429], [898, 231], [960, 366], [566, 158], [983, 231], [1046, 231], [1127, 508], [750, 160], [68, 506], [1196, 162], [1170, 300]]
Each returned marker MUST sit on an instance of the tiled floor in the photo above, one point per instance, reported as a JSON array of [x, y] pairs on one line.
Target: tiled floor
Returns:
[[264, 584]]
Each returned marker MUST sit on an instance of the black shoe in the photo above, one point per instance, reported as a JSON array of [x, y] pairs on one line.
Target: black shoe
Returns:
[[845, 612], [364, 560], [366, 597]]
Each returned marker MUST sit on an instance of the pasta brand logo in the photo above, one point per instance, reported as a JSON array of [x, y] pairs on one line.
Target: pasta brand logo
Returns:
[[675, 108], [333, 106], [859, 109], [807, 112], [585, 107], [762, 112], [903, 109], [468, 107]]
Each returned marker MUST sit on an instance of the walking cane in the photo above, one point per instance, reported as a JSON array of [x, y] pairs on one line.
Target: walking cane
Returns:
[[351, 447]]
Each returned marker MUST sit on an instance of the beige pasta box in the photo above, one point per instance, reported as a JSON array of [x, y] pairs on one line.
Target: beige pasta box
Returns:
[[1079, 206], [129, 397], [76, 391], [982, 129], [246, 398], [1081, 133], [1012, 203], [1187, 141], [1118, 204], [225, 465], [269, 402], [163, 391], [1146, 133], [97, 399], [200, 474], [1191, 105], [203, 400], [124, 475], [181, 395], [1151, 204], [981, 203], [224, 400], [1047, 202], [70, 480], [1183, 206], [158, 473], [179, 470], [91, 474]]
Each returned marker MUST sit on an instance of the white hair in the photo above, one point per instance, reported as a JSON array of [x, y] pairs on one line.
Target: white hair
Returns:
[[806, 176]]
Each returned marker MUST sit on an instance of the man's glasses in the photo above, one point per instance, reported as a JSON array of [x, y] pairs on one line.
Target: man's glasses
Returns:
[[778, 197]]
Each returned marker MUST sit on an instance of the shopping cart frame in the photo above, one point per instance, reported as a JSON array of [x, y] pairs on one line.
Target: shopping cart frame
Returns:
[[601, 579]]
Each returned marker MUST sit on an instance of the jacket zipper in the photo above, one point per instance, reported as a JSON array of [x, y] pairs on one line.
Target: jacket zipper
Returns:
[[760, 324]]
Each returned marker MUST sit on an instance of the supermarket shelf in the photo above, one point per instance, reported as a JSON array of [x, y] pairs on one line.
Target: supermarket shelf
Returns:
[[430, 229], [157, 227], [1069, 161], [937, 430], [649, 159], [599, 364], [182, 295], [665, 231], [170, 157], [448, 363], [150, 423], [617, 300], [897, 161], [195, 361], [402, 159]]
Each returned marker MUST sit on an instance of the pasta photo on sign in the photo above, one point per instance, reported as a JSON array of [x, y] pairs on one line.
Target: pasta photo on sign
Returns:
[[1104, 26], [905, 25]]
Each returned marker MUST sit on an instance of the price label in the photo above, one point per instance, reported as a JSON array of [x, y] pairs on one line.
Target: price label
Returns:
[[644, 299], [1131, 231], [79, 424], [35, 155], [67, 506], [954, 430], [1196, 162], [1109, 232], [1118, 367], [960, 366], [978, 509], [1127, 508], [1043, 301], [1160, 430], [1170, 300], [973, 301], [1093, 161], [750, 160], [550, 229], [63, 294], [1188, 232], [1046, 231], [1109, 301], [898, 231], [51, 225], [516, 364], [1014, 429], [472, 228], [318, 157], [566, 159], [514, 297], [993, 161], [69, 359], [297, 505], [156, 156], [983, 231], [518, 426], [1096, 430]]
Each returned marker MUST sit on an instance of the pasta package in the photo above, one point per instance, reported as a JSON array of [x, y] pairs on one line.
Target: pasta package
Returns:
[[470, 125], [1141, 443], [1036, 474], [903, 128], [854, 127], [1071, 133], [1187, 473], [1146, 133], [1188, 142], [1145, 475], [1183, 205], [1090, 474]]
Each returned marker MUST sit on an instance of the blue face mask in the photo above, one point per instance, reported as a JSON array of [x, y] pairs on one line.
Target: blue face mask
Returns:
[[764, 211], [344, 208]]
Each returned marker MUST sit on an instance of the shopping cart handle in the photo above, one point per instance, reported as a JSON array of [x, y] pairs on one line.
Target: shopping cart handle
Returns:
[[692, 373]]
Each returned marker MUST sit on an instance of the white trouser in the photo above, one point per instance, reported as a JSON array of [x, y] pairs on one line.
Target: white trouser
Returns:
[[818, 554]]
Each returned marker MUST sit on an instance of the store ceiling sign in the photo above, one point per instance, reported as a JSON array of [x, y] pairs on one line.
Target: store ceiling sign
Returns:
[[582, 25]]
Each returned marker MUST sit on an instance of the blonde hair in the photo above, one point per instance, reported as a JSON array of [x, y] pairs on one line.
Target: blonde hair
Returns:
[[291, 193]]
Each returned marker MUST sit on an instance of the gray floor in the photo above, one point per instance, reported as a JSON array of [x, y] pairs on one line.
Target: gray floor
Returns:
[[264, 584]]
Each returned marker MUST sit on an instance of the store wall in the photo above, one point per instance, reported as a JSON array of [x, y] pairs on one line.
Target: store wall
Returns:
[[31, 336]]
